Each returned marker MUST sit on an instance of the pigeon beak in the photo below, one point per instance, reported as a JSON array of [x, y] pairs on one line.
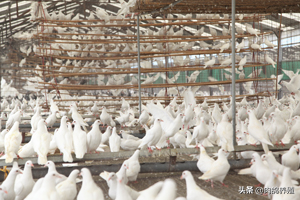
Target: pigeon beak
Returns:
[[45, 165], [32, 165], [181, 177], [251, 163], [91, 125], [298, 150]]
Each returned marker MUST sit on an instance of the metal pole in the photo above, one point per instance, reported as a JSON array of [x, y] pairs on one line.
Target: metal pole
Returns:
[[139, 62], [279, 60], [233, 70]]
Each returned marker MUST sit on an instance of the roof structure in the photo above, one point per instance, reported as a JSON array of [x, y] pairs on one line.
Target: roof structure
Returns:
[[15, 15]]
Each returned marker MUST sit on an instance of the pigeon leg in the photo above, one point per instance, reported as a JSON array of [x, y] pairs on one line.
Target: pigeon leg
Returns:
[[150, 150], [224, 185], [19, 157], [207, 180], [253, 145], [212, 184], [276, 144], [1, 153], [282, 144], [257, 185]]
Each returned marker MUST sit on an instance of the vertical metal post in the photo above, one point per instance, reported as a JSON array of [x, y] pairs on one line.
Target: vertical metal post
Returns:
[[233, 71], [139, 62], [279, 59]]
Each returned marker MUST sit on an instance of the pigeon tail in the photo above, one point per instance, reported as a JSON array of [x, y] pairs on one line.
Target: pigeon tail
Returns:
[[67, 157], [9, 157], [42, 159], [246, 171], [265, 147]]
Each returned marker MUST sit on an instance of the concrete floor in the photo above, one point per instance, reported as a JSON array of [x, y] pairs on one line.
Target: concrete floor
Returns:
[[231, 193]]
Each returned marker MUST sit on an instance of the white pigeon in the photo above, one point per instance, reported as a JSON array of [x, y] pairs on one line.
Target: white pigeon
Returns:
[[114, 141], [9, 182], [256, 46], [169, 125], [89, 189], [269, 44], [225, 47], [226, 62], [204, 162], [240, 46], [24, 182], [2, 136], [67, 188], [47, 189], [193, 191], [133, 166], [122, 192], [210, 63], [200, 132], [111, 179], [242, 63], [94, 137], [104, 117], [168, 191], [257, 131], [41, 142], [12, 141], [225, 133], [251, 30], [51, 119], [152, 136], [64, 140], [219, 169], [144, 117], [106, 135], [35, 119], [16, 117], [270, 61], [79, 140], [261, 171], [290, 159], [77, 117]]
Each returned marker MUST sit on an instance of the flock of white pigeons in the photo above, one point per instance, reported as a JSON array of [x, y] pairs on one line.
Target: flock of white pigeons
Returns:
[[180, 124], [183, 124], [71, 50]]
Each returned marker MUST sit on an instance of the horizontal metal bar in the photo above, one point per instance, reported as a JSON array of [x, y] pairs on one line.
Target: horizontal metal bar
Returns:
[[39, 172], [143, 153]]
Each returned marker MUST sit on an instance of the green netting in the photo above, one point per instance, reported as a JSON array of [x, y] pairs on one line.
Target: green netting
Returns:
[[218, 74]]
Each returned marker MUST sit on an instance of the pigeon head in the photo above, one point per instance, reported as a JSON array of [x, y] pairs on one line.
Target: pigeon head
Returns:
[[252, 162], [264, 157], [29, 163], [185, 174], [295, 148], [112, 176]]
